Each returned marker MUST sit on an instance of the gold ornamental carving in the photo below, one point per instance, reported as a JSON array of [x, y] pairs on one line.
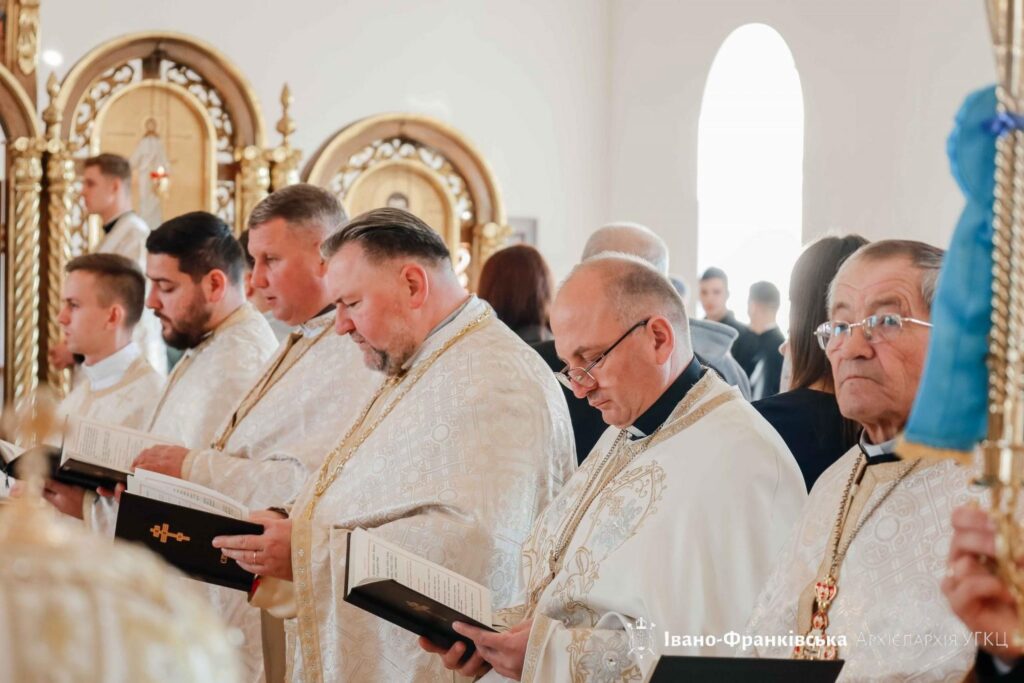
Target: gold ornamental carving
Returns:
[[60, 177], [27, 46], [284, 159], [254, 183], [22, 344], [415, 162]]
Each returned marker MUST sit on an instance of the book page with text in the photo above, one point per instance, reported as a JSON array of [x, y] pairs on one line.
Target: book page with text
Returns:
[[107, 445], [371, 558], [166, 489]]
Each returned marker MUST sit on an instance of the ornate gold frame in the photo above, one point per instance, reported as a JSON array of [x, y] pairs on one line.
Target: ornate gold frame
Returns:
[[26, 146], [483, 213]]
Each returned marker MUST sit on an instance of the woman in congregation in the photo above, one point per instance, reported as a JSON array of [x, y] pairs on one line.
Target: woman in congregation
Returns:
[[806, 415], [517, 283]]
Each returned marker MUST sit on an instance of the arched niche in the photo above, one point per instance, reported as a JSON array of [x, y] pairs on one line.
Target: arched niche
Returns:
[[22, 177], [192, 71], [421, 164]]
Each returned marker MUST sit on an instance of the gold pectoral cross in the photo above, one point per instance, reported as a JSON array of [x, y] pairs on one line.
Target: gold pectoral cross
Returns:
[[164, 532]]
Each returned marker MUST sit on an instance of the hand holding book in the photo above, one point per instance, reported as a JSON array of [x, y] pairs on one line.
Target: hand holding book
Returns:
[[504, 652], [266, 554]]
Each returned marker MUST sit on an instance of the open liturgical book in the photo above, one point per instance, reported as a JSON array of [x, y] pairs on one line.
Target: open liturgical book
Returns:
[[92, 455], [411, 592], [178, 520]]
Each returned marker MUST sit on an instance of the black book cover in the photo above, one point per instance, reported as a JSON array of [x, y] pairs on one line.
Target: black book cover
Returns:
[[183, 537], [74, 472], [727, 669], [413, 611]]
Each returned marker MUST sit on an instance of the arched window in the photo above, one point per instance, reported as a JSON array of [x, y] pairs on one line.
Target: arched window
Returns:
[[750, 152]]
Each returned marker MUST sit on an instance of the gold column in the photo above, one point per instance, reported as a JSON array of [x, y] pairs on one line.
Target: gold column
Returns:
[[60, 176], [254, 183], [284, 159], [22, 314]]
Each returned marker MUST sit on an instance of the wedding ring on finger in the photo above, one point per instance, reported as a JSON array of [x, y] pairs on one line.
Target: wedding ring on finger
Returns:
[[254, 557]]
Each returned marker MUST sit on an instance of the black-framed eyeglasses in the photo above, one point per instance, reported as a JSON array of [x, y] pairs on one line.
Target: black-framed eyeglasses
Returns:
[[877, 328], [582, 376]]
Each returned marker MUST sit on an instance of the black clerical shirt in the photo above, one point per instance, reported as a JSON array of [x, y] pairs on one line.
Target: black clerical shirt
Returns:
[[107, 227], [655, 416]]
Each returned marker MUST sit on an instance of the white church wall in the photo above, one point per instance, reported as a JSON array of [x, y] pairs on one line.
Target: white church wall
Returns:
[[526, 81], [587, 110], [882, 80]]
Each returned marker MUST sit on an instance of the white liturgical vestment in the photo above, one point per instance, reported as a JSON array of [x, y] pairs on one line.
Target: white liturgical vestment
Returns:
[[456, 470], [679, 537], [122, 389], [212, 377], [277, 436], [203, 388], [888, 606], [128, 238]]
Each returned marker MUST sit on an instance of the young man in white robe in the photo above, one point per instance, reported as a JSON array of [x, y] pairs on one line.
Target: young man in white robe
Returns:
[[194, 267], [106, 191], [670, 524], [102, 300], [859, 579], [466, 439], [305, 398]]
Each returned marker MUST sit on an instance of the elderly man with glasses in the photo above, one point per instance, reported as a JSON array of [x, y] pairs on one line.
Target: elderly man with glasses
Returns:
[[660, 542], [860, 578]]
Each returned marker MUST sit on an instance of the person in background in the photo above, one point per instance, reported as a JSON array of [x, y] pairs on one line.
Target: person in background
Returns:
[[712, 342], [255, 296], [517, 283], [714, 299], [107, 193], [807, 415], [759, 345]]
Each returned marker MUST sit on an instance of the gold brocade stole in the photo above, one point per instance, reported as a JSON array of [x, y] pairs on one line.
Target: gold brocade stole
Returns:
[[137, 370], [294, 349], [622, 453], [237, 316], [306, 603], [873, 477]]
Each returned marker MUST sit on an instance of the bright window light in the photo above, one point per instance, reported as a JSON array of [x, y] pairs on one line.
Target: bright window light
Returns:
[[750, 165]]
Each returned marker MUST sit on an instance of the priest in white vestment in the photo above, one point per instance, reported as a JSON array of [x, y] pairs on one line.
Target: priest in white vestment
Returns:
[[106, 190], [194, 268], [466, 439], [305, 398], [669, 528], [102, 300], [860, 578]]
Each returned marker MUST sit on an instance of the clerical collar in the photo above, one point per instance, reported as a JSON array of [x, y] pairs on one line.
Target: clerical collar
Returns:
[[878, 453], [437, 328], [107, 227], [656, 415], [111, 370], [316, 324]]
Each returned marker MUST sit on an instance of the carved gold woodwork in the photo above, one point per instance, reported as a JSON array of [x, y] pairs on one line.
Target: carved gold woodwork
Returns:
[[284, 159], [26, 45], [425, 166], [194, 81], [21, 237], [60, 191], [22, 281], [254, 183]]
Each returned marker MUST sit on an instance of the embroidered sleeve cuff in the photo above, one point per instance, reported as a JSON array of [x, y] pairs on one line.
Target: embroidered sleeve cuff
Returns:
[[186, 465]]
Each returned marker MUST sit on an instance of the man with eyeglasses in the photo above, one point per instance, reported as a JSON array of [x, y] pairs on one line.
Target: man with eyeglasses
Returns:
[[859, 580], [670, 526]]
